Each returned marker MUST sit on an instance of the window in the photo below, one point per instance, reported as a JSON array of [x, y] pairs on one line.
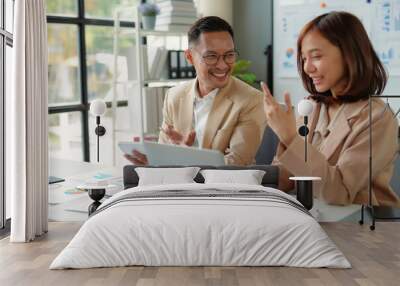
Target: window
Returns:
[[80, 57], [63, 59], [6, 43], [67, 8]]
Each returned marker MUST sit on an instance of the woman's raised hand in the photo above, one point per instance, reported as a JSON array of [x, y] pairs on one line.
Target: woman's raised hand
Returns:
[[281, 121]]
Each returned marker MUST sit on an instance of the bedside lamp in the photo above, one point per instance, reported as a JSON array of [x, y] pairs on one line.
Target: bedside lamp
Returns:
[[97, 108], [304, 191], [304, 108]]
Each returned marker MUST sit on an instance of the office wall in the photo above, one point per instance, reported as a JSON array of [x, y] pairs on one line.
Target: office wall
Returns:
[[379, 19], [221, 8], [252, 23]]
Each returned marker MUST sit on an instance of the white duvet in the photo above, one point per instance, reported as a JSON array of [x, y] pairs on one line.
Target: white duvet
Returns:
[[200, 231]]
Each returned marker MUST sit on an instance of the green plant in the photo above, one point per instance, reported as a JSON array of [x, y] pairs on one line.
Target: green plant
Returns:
[[240, 70]]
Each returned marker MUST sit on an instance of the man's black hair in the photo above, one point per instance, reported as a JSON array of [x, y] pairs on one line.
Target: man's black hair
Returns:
[[208, 24]]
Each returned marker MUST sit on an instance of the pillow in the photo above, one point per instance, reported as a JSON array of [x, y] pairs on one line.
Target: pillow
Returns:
[[248, 177], [163, 176]]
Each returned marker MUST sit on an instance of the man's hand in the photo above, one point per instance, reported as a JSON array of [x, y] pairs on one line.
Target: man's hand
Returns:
[[177, 138], [189, 141], [137, 158], [140, 159]]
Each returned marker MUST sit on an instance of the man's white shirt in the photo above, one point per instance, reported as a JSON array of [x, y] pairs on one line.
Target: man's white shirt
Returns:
[[201, 109]]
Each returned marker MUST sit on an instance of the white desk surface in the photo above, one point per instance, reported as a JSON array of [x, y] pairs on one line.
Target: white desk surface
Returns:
[[66, 168], [329, 213], [68, 204]]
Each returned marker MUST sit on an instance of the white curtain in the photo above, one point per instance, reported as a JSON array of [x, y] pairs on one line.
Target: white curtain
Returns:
[[26, 123]]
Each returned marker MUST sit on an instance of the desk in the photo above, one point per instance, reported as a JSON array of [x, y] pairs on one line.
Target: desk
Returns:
[[329, 213], [69, 204], [66, 168], [73, 207]]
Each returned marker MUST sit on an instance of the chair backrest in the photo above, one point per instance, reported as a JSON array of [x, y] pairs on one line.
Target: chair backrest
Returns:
[[267, 149], [395, 181]]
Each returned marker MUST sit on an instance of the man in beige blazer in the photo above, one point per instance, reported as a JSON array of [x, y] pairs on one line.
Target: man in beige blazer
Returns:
[[235, 122], [215, 110]]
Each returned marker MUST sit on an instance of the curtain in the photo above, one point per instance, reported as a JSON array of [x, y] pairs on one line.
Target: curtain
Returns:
[[26, 123]]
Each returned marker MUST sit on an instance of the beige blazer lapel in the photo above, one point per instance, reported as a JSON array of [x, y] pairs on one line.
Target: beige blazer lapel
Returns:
[[186, 110], [338, 132], [341, 128], [221, 105]]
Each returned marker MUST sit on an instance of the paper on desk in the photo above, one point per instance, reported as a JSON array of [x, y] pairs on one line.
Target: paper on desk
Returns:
[[65, 191], [110, 174]]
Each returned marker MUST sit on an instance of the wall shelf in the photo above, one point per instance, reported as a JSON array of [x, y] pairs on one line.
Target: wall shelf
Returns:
[[138, 85], [145, 33]]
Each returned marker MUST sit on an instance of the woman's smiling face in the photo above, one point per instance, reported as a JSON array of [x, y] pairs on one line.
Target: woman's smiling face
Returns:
[[323, 63]]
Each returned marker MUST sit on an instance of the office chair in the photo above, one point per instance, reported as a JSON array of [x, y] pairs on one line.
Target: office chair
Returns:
[[267, 149]]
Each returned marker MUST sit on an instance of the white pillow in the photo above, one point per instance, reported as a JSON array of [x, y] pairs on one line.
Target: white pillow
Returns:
[[163, 176], [248, 177]]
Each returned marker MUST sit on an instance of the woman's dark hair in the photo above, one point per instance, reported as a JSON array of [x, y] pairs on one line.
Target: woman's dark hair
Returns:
[[208, 24], [366, 74]]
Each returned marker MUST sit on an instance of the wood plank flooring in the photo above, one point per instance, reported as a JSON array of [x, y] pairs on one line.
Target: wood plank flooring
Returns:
[[375, 257]]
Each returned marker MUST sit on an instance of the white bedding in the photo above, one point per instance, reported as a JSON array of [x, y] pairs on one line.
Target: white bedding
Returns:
[[200, 231]]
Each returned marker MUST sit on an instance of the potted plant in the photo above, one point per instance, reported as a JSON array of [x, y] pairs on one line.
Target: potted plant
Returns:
[[149, 12], [240, 70]]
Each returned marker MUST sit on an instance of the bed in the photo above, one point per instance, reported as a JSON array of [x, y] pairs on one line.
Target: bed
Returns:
[[201, 224]]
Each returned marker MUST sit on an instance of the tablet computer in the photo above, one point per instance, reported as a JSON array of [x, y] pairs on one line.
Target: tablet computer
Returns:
[[166, 154]]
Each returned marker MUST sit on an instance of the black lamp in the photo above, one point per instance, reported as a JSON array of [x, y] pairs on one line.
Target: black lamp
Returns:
[[98, 107], [304, 108], [304, 191]]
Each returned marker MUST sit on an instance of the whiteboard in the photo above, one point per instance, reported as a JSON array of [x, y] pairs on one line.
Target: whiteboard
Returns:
[[381, 19]]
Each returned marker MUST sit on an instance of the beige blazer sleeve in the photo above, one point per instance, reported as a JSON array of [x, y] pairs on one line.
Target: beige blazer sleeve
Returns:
[[247, 135], [346, 180]]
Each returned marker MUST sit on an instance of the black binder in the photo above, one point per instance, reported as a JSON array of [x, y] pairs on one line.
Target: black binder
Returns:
[[178, 66], [173, 64]]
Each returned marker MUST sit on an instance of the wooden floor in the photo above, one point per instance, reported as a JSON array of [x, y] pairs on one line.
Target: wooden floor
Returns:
[[375, 257]]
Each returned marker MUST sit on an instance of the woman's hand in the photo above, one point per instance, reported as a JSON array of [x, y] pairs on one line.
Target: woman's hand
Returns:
[[281, 121]]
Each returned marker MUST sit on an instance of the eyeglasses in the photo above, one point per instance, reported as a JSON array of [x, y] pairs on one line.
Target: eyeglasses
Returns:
[[212, 59]]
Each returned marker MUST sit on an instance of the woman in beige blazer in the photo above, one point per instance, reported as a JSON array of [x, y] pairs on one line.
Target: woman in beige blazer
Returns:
[[340, 69]]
